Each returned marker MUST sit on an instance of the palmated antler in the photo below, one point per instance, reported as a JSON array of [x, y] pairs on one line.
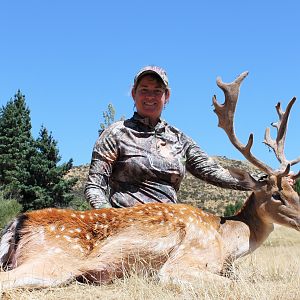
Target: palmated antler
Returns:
[[225, 113], [278, 145]]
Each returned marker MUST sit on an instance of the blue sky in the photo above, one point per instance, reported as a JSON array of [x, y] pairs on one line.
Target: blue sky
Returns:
[[72, 58]]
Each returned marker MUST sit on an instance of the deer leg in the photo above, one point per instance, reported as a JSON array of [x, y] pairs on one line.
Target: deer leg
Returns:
[[40, 272], [184, 268], [104, 270], [99, 274]]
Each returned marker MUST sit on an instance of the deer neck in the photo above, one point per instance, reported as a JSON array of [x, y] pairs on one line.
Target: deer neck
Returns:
[[251, 215]]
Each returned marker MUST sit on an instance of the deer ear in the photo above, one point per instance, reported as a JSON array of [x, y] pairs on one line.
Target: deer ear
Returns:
[[245, 179]]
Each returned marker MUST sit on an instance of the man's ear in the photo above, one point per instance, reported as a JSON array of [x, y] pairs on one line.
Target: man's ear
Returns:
[[167, 95], [133, 92]]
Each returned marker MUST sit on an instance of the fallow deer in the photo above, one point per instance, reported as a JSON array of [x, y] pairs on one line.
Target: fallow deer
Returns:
[[181, 243]]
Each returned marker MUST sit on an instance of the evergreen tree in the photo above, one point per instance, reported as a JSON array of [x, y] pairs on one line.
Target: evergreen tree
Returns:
[[15, 144], [108, 118], [29, 170], [46, 185]]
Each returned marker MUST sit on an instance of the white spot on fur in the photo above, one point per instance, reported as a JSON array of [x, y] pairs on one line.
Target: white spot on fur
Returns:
[[54, 250], [78, 229], [73, 215], [71, 231], [57, 236], [77, 247], [88, 236], [52, 227], [82, 216], [104, 215], [62, 228], [69, 239]]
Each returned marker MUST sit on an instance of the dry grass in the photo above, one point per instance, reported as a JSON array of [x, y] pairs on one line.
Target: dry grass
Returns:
[[272, 272]]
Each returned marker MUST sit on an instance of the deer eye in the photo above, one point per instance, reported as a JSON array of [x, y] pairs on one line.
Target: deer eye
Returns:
[[277, 196]]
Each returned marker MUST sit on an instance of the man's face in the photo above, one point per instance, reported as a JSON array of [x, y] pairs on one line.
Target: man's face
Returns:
[[150, 97]]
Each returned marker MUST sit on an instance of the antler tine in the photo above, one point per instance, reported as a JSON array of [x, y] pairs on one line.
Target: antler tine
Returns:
[[225, 113], [281, 126]]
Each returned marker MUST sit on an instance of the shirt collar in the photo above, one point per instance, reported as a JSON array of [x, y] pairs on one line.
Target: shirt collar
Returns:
[[146, 121]]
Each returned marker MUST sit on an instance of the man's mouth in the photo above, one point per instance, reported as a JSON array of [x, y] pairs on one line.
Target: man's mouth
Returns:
[[150, 104]]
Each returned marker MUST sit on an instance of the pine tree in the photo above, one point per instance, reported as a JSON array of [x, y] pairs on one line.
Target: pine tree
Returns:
[[15, 144], [108, 118], [46, 185], [29, 170]]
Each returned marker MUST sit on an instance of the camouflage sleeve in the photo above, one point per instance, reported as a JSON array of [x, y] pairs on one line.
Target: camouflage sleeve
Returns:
[[104, 155], [202, 166]]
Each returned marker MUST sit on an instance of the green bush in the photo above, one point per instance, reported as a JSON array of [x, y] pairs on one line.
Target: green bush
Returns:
[[79, 203], [231, 209], [297, 186], [8, 210]]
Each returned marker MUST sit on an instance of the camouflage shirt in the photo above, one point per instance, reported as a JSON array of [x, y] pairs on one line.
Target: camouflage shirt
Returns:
[[134, 163]]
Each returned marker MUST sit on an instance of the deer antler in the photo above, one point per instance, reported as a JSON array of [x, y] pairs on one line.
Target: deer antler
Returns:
[[281, 126], [225, 113]]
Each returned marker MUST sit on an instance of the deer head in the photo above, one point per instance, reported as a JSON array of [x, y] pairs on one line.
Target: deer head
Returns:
[[278, 201]]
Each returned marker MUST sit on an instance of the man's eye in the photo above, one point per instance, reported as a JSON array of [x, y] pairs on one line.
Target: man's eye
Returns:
[[158, 92]]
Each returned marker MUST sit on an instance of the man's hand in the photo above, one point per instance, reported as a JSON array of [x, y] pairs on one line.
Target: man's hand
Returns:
[[102, 205], [291, 178]]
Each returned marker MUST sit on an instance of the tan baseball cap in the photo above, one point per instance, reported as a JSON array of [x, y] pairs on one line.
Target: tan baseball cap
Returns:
[[150, 70]]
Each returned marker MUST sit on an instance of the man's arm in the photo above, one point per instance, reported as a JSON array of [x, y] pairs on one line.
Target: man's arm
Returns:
[[104, 155]]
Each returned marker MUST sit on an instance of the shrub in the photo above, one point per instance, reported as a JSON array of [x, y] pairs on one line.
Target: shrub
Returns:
[[79, 203], [297, 186], [231, 209], [8, 210]]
